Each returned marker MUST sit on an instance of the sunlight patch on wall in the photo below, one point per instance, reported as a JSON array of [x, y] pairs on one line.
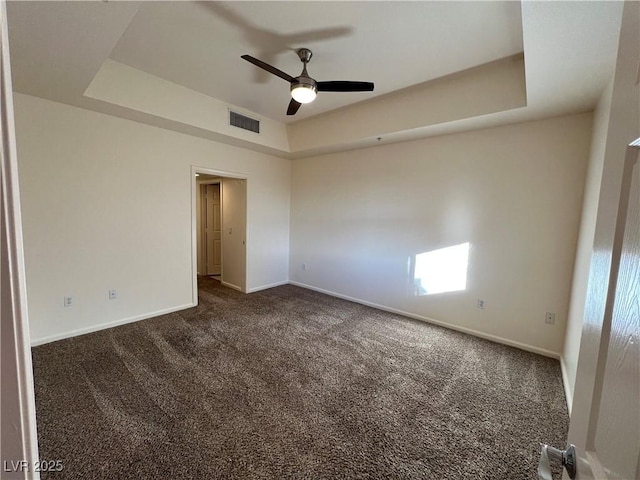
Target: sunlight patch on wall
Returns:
[[442, 270]]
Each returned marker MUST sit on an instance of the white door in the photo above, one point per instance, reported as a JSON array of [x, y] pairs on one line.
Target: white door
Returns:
[[213, 225], [607, 422], [234, 228]]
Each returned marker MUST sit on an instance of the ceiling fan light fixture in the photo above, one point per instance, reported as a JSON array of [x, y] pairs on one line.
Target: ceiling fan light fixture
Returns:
[[304, 91]]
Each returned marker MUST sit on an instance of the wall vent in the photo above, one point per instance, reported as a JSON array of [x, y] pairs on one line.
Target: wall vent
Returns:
[[241, 121]]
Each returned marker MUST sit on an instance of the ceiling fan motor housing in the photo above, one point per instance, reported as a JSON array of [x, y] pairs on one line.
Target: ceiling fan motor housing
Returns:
[[306, 82]]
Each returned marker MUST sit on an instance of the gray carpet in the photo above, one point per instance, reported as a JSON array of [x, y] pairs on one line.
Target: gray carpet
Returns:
[[290, 383]]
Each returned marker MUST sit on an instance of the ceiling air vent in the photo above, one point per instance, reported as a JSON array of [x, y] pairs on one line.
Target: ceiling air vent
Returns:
[[246, 123]]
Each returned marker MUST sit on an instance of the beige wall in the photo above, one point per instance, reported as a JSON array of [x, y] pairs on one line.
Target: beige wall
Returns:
[[490, 88], [122, 85], [107, 204], [514, 193]]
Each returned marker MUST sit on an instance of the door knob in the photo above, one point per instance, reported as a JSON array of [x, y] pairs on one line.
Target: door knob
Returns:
[[566, 457]]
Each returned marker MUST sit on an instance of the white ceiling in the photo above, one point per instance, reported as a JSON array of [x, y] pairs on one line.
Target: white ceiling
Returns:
[[569, 47], [393, 44]]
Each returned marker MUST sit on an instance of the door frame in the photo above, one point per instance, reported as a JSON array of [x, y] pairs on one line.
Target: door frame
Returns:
[[194, 219], [19, 434]]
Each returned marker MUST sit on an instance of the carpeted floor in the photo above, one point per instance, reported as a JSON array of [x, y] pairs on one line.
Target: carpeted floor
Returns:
[[290, 383]]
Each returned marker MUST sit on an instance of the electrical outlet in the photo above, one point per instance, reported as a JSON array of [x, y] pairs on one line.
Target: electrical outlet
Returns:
[[68, 301], [550, 318], [113, 294], [480, 303]]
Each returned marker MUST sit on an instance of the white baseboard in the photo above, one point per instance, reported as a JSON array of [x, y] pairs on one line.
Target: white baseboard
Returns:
[[265, 287], [103, 326], [494, 338], [505, 341], [231, 285], [568, 393]]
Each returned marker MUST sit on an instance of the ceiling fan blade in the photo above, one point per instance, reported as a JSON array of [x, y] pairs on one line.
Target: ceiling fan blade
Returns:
[[344, 86], [293, 107], [268, 68]]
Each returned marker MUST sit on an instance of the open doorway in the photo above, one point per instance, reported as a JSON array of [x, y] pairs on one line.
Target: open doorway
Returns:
[[219, 228]]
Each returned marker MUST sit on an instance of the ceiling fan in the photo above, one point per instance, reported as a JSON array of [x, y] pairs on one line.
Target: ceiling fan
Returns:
[[303, 87]]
